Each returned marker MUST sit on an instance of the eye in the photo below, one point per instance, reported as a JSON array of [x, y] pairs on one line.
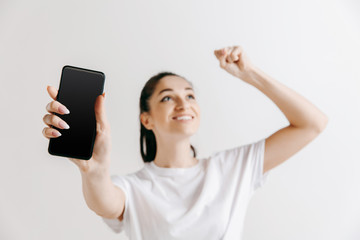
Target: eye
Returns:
[[162, 100], [192, 96]]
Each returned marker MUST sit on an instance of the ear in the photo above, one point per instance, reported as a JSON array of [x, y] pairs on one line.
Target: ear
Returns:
[[145, 120]]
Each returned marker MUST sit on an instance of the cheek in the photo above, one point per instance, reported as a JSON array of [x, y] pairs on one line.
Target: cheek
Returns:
[[163, 114], [197, 108]]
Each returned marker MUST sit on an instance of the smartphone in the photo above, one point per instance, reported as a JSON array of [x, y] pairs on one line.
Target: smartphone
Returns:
[[78, 91]]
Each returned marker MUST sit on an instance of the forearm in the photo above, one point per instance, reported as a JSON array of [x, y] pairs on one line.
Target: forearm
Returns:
[[298, 110], [99, 192]]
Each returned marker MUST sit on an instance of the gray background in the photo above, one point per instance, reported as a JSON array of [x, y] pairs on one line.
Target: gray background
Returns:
[[310, 46]]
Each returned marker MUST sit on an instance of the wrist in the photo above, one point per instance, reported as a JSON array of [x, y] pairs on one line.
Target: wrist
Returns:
[[94, 170], [252, 76]]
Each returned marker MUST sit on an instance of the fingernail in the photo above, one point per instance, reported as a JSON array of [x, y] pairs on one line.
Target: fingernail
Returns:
[[64, 110], [56, 133], [103, 94], [64, 125]]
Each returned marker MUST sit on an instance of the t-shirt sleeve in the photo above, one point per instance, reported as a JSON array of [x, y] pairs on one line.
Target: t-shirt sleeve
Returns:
[[115, 224], [246, 163], [257, 150]]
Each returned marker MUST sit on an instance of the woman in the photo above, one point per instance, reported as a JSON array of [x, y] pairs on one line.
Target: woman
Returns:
[[176, 195]]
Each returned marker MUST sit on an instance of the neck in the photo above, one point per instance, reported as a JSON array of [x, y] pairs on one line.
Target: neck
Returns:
[[174, 153]]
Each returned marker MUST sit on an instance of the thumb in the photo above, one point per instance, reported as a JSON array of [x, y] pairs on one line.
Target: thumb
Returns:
[[100, 113]]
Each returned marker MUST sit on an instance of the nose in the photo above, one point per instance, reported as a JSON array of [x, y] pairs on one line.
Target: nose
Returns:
[[182, 104]]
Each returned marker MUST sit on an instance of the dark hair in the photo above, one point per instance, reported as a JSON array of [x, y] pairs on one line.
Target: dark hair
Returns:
[[145, 134]]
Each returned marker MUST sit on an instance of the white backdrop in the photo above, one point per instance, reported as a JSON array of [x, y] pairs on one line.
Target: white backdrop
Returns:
[[310, 46]]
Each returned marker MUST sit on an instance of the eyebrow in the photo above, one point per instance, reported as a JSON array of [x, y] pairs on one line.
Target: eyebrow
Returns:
[[169, 89]]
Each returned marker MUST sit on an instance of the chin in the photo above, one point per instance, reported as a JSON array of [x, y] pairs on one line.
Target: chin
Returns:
[[183, 131], [187, 133]]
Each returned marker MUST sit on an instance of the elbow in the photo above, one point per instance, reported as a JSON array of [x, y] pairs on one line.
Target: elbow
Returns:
[[321, 125], [316, 126]]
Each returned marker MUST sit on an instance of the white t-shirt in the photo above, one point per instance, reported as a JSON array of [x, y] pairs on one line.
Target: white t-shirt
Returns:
[[205, 201]]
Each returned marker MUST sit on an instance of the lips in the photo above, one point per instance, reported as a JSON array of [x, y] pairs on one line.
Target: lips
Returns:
[[181, 115]]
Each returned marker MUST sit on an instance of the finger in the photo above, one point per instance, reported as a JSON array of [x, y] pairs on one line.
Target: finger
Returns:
[[57, 107], [235, 54], [229, 51], [218, 53], [53, 120], [100, 114], [221, 56], [52, 92], [239, 53], [50, 133], [228, 59]]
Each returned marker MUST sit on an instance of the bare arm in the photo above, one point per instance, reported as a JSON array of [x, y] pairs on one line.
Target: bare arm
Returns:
[[306, 120], [101, 195], [298, 110]]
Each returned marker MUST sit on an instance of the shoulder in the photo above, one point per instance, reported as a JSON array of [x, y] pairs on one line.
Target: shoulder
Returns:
[[240, 150], [238, 157]]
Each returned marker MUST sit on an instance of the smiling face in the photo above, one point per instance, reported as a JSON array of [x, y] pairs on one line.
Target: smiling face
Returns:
[[172, 97]]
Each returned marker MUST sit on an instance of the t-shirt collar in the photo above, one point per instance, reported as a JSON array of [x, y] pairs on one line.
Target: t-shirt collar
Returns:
[[173, 171]]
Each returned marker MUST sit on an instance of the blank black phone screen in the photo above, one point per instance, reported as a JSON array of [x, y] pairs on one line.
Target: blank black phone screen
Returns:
[[78, 91]]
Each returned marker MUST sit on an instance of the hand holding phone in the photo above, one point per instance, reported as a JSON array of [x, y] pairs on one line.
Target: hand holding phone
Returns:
[[100, 158]]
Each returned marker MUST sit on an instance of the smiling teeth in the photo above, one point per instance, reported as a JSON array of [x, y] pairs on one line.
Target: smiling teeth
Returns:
[[184, 118]]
